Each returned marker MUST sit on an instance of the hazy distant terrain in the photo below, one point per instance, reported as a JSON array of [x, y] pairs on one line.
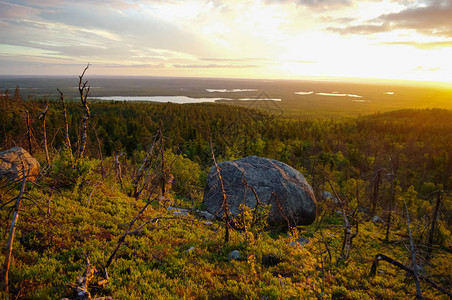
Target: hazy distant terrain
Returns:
[[319, 99]]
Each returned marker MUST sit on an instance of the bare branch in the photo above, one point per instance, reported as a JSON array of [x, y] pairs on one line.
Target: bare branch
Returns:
[[348, 237], [43, 115], [12, 230], [84, 92], [66, 125], [225, 205]]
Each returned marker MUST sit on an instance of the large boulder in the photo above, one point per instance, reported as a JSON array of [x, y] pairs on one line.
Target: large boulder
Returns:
[[15, 161], [284, 188]]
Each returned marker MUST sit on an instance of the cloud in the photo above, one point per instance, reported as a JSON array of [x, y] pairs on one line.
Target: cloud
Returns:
[[10, 10], [324, 3], [432, 19], [361, 29], [135, 66], [209, 66], [435, 19], [315, 4], [419, 45]]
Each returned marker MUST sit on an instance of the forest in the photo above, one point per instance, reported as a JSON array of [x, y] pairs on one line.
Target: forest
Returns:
[[112, 174]]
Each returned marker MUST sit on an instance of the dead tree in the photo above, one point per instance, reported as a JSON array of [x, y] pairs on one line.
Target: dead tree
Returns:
[[84, 89], [392, 207], [66, 125], [378, 257], [413, 255], [348, 236], [139, 176], [12, 231], [225, 205], [118, 168], [29, 134], [162, 152], [433, 226], [100, 152], [43, 115], [376, 189]]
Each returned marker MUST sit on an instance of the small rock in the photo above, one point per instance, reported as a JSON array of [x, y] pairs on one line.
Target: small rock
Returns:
[[208, 223], [327, 195], [180, 213], [190, 250], [206, 215], [377, 219], [234, 255]]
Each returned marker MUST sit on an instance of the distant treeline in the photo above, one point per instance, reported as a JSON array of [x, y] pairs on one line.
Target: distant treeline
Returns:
[[416, 145]]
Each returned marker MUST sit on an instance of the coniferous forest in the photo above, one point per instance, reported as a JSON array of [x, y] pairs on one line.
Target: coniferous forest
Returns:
[[115, 210]]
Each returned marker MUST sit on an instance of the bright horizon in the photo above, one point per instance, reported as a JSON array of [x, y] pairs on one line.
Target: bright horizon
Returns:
[[267, 39]]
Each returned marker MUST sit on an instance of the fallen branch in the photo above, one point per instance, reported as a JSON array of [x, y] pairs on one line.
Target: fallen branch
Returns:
[[81, 284], [379, 257]]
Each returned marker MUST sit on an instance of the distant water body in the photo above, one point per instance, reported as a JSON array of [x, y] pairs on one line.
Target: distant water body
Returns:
[[173, 99], [333, 94], [230, 90], [164, 99]]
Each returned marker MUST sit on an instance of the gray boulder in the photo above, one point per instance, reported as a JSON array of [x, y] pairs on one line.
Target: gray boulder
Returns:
[[15, 162], [234, 255], [277, 184]]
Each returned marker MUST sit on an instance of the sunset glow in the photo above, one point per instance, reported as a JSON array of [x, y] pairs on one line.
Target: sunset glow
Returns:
[[389, 39]]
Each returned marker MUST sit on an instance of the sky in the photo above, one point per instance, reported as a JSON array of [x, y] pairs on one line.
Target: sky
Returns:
[[290, 39]]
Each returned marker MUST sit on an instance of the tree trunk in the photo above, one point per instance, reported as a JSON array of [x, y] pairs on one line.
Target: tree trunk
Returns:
[[12, 231], [225, 204], [84, 92], [43, 114], [150, 155], [30, 150], [391, 208], [66, 125], [375, 192], [413, 256], [162, 152], [432, 228], [348, 236]]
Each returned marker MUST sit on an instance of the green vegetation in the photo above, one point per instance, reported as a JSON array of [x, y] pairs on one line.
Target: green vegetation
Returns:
[[376, 163]]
